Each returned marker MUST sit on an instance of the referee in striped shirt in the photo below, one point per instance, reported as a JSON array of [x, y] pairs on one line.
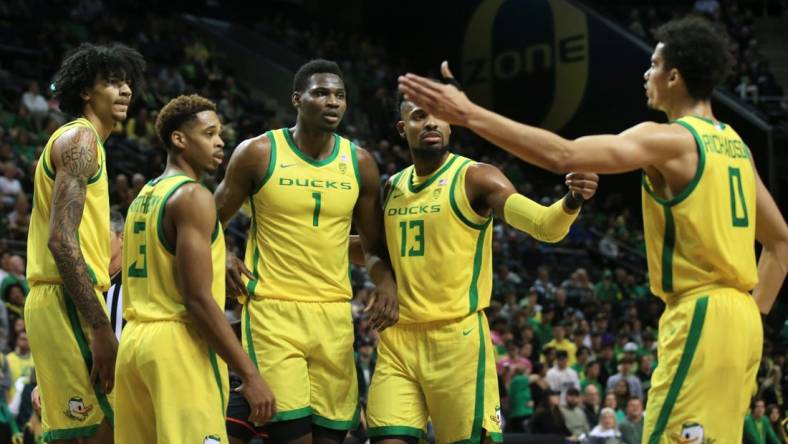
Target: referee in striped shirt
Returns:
[[114, 296]]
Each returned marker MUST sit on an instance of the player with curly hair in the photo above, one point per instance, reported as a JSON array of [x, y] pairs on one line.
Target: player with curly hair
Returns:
[[68, 246]]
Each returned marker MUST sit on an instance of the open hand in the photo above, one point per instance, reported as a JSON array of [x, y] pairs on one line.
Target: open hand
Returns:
[[235, 284], [383, 306], [444, 102]]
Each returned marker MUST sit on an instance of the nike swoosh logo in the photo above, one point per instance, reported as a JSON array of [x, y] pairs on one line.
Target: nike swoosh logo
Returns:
[[394, 196], [286, 165], [466, 333]]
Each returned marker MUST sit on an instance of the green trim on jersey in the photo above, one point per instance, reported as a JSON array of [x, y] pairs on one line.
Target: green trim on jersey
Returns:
[[354, 156], [271, 163], [102, 166], [216, 230], [417, 188], [473, 291], [162, 207], [710, 121], [668, 247], [50, 174], [305, 157], [153, 182], [693, 338], [252, 283], [394, 181], [695, 179], [218, 377], [453, 201]]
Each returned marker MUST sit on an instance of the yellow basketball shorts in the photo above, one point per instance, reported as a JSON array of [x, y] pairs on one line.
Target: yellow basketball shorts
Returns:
[[709, 351], [304, 351], [170, 387], [444, 371], [59, 340]]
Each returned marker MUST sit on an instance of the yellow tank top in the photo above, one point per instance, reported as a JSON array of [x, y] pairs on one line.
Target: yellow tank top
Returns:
[[93, 233], [439, 246], [297, 247], [150, 282], [704, 238]]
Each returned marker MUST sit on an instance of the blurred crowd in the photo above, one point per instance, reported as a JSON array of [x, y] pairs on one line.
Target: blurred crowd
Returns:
[[751, 78]]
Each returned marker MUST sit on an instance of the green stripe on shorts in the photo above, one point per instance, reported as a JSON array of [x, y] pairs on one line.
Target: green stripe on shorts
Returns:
[[693, 338], [84, 349], [478, 410]]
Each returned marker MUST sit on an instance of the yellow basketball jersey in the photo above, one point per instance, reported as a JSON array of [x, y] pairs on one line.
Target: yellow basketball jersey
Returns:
[[302, 210], [150, 282], [439, 246], [704, 238], [93, 233]]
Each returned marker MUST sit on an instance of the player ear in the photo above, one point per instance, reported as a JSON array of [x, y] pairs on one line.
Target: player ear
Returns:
[[178, 140], [401, 128], [673, 76], [296, 99]]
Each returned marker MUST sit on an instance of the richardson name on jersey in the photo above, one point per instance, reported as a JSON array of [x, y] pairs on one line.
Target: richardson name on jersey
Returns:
[[315, 183]]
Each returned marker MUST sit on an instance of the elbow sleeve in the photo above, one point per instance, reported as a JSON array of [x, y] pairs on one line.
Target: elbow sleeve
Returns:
[[547, 224]]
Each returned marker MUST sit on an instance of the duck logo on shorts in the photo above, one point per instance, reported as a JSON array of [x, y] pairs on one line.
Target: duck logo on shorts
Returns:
[[692, 433], [212, 439], [77, 410], [496, 418]]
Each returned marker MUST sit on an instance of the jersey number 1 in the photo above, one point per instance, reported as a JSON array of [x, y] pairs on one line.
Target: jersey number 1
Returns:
[[734, 175], [316, 214], [136, 270]]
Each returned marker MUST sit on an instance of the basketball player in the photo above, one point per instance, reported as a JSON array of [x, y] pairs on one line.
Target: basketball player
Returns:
[[171, 386], [68, 246], [305, 185], [703, 207], [437, 361]]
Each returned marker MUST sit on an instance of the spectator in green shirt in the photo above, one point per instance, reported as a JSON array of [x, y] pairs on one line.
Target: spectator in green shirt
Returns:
[[521, 404], [775, 416], [582, 356], [607, 290], [632, 426], [757, 429], [543, 327], [592, 378]]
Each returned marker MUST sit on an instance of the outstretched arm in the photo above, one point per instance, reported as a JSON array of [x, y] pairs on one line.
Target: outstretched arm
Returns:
[[772, 232], [640, 146], [74, 157], [488, 189], [368, 215], [186, 215]]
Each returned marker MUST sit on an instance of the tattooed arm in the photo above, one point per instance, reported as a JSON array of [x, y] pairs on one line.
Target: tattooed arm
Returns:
[[74, 159]]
